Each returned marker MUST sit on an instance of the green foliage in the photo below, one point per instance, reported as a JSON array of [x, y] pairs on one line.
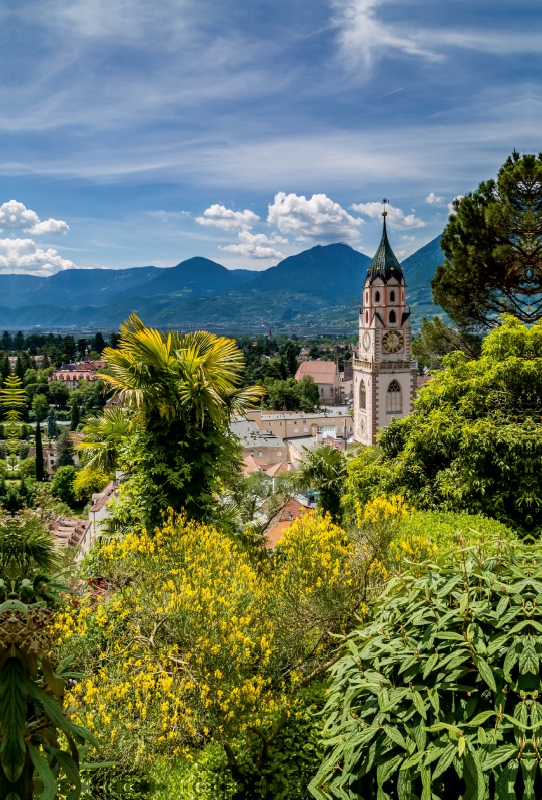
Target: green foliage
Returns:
[[474, 440], [181, 390], [294, 395], [27, 467], [40, 405], [64, 449], [437, 339], [62, 485], [324, 469], [444, 685], [40, 464], [74, 416], [293, 758], [492, 248], [52, 427]]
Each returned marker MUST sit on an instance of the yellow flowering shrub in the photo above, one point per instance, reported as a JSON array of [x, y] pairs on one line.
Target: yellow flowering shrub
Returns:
[[192, 642]]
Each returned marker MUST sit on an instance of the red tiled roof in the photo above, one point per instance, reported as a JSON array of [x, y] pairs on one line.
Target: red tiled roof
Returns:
[[275, 469], [100, 500], [321, 371], [421, 380]]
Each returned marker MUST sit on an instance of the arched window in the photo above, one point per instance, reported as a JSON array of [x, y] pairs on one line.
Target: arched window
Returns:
[[362, 396], [366, 297], [392, 297], [392, 316], [366, 316], [377, 297], [394, 403]]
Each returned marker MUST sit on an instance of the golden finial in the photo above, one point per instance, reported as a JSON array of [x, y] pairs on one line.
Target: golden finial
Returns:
[[385, 213]]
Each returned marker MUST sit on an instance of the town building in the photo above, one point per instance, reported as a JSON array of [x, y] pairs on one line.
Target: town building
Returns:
[[264, 447], [326, 377], [385, 376], [293, 424], [72, 374], [69, 531]]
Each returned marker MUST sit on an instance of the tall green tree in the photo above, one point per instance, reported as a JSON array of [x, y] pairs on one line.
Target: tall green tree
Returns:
[[64, 449], [40, 467], [437, 339], [52, 427], [493, 249], [182, 390], [74, 416]]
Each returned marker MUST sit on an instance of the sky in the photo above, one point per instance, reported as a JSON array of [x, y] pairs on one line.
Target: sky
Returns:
[[135, 133]]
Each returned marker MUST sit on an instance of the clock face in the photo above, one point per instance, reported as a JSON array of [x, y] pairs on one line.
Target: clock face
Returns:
[[392, 341], [366, 341]]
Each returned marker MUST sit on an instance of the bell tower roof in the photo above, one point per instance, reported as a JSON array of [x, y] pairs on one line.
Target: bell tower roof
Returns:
[[384, 264]]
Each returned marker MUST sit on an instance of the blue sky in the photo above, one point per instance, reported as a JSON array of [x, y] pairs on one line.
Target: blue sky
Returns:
[[135, 132]]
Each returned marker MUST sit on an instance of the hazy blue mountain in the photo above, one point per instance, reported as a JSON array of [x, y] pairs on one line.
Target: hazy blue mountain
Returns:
[[332, 271], [321, 284], [195, 277], [72, 286]]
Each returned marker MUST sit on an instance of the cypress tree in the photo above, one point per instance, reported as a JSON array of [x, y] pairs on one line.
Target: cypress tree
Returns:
[[52, 427], [19, 368], [45, 361], [99, 343], [40, 469], [74, 417]]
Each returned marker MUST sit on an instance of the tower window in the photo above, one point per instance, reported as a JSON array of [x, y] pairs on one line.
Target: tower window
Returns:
[[392, 316], [366, 297], [366, 316], [362, 396], [392, 297], [377, 297], [394, 403]]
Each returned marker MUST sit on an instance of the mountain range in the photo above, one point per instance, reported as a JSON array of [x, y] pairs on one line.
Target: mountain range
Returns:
[[321, 285]]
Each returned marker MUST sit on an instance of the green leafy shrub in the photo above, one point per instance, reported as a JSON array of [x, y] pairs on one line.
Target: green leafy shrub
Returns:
[[439, 697]]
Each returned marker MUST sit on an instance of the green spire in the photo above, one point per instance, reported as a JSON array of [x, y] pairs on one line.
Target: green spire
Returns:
[[384, 264]]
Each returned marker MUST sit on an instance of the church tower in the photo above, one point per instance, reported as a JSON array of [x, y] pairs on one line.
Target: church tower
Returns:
[[384, 375]]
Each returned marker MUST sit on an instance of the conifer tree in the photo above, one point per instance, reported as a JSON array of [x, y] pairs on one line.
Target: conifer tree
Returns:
[[74, 417], [52, 427], [40, 472], [45, 363], [64, 450]]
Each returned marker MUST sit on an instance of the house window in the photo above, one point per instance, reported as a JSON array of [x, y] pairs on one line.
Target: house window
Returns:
[[280, 423], [392, 297], [392, 316], [289, 422], [362, 396], [296, 430], [394, 403], [377, 297], [305, 430], [260, 454], [279, 453]]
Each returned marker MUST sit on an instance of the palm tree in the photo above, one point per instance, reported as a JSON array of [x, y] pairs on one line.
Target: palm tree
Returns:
[[173, 374], [179, 392], [104, 433], [324, 469]]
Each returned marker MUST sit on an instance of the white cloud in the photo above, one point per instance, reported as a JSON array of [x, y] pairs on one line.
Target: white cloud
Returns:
[[227, 219], [318, 219], [450, 206], [23, 255], [408, 238], [396, 218], [435, 200], [363, 36], [256, 245], [15, 215]]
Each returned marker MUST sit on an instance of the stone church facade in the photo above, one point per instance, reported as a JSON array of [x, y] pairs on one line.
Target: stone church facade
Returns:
[[384, 374]]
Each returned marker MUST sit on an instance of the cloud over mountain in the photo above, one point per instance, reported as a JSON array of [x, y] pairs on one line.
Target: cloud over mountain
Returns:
[[396, 218], [227, 219], [256, 245], [23, 255], [318, 219]]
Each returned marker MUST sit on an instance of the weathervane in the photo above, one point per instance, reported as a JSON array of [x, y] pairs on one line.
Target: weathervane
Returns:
[[385, 213]]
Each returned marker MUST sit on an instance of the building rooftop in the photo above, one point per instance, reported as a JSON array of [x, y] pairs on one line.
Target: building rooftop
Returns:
[[251, 436], [321, 371], [101, 499]]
